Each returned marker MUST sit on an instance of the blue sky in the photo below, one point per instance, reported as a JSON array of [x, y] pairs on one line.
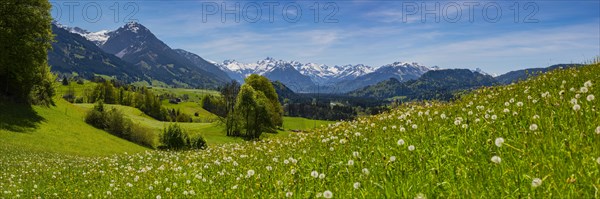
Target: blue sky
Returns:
[[490, 35]]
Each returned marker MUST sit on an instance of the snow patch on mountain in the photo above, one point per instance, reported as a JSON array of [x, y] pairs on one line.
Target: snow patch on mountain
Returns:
[[318, 73], [98, 38]]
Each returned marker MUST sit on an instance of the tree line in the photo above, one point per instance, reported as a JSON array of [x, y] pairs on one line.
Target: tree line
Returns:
[[114, 92]]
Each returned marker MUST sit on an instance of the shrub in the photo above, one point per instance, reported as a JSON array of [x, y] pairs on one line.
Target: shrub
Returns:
[[174, 137], [198, 142], [96, 116], [117, 124], [142, 136]]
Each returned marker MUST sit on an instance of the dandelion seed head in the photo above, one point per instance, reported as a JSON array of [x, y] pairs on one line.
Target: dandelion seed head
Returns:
[[590, 98], [365, 171], [357, 184], [350, 162], [327, 194], [519, 104], [411, 148], [314, 174], [420, 196], [499, 141], [576, 107], [496, 159], [250, 172], [536, 182], [400, 142], [533, 127]]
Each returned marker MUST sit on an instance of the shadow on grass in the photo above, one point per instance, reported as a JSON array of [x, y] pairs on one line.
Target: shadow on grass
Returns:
[[18, 117]]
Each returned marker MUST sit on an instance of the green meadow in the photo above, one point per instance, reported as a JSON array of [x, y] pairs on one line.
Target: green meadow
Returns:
[[539, 138]]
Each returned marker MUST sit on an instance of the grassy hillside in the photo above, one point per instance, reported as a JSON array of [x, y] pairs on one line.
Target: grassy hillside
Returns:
[[59, 129], [193, 94], [213, 133], [191, 109], [299, 123], [536, 139]]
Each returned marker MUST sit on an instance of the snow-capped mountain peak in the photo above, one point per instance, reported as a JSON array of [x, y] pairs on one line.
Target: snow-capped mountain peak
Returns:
[[318, 73], [98, 38], [133, 26]]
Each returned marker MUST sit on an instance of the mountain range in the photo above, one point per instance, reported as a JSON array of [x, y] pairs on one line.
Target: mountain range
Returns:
[[313, 78], [149, 59], [134, 54]]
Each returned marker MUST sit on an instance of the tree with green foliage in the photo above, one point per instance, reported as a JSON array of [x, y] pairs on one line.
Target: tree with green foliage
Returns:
[[229, 94], [254, 113], [25, 37], [262, 84], [244, 109]]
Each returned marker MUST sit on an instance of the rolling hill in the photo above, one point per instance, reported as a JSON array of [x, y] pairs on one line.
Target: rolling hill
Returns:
[[59, 130]]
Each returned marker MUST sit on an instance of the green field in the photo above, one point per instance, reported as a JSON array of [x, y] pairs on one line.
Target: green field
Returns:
[[298, 123], [535, 139], [193, 94], [59, 129], [191, 108]]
